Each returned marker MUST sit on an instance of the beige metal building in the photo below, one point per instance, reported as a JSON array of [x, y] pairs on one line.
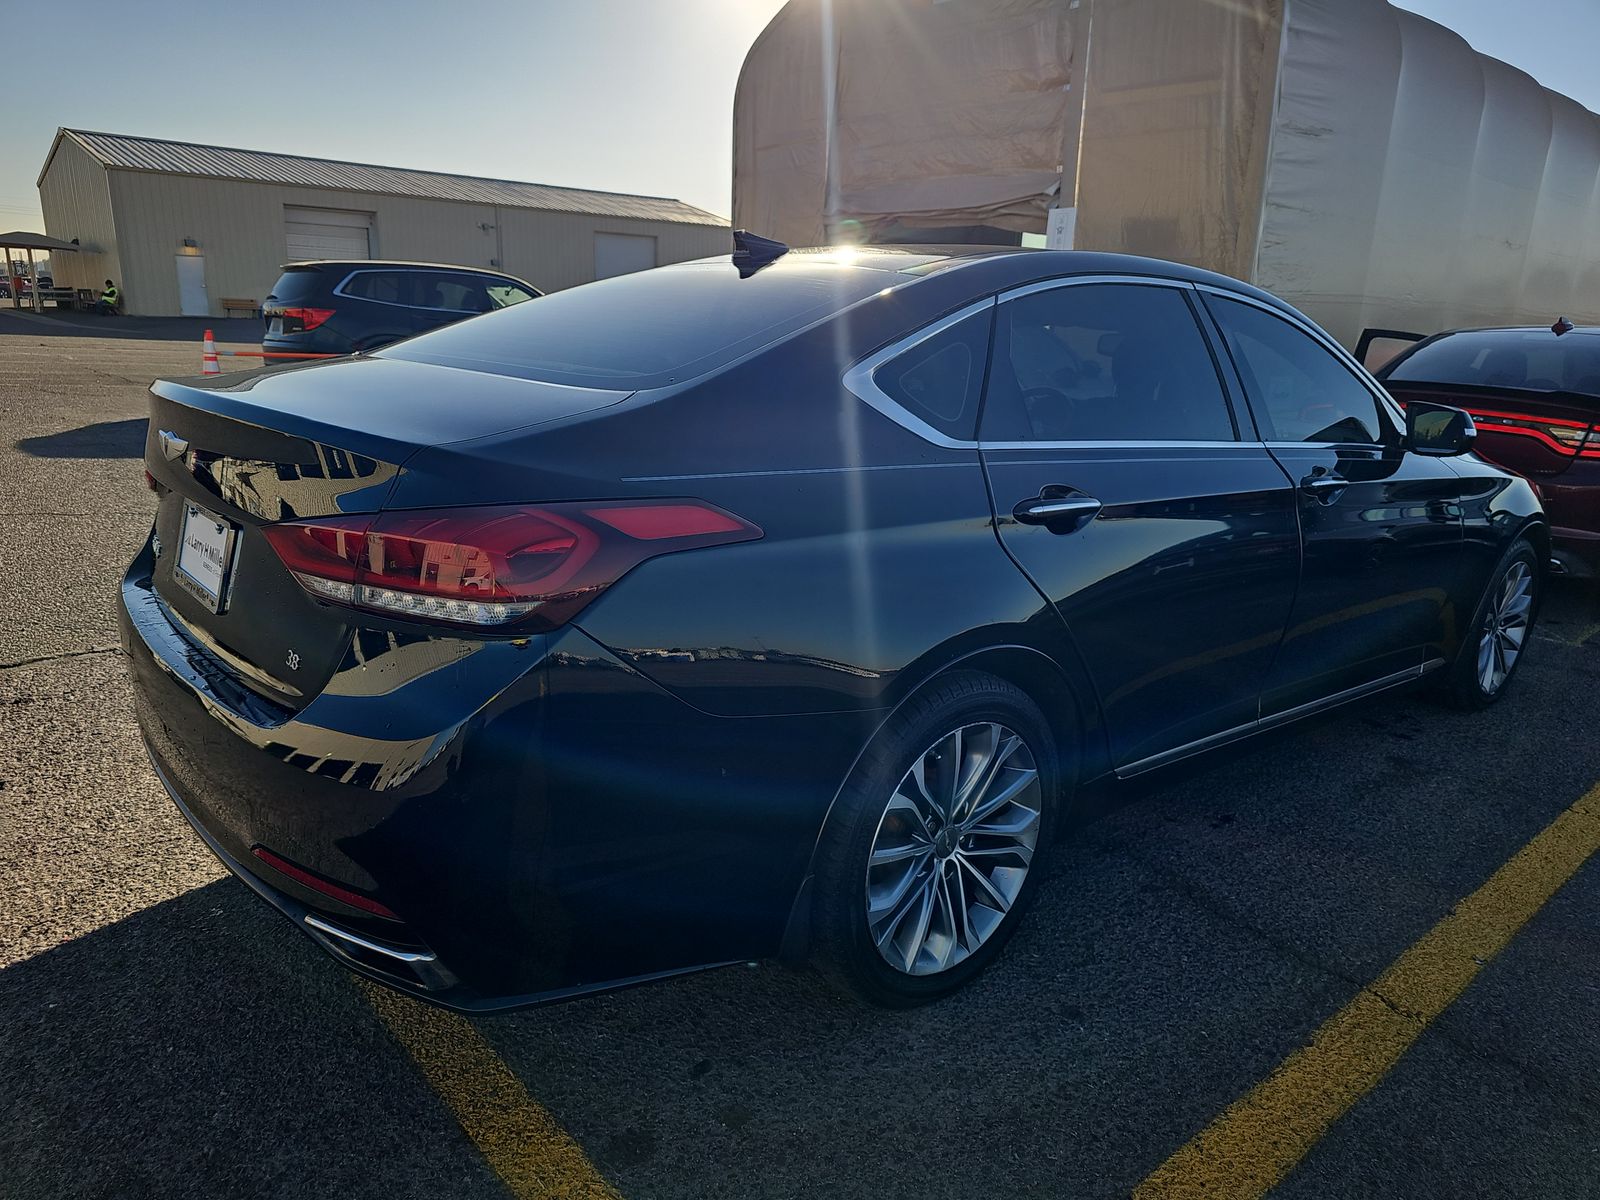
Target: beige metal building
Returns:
[[182, 227]]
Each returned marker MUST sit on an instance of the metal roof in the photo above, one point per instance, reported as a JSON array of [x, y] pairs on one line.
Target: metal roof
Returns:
[[33, 241], [122, 152]]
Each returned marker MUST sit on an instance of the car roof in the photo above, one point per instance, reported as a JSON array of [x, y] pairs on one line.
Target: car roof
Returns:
[[395, 262], [995, 268], [1582, 330]]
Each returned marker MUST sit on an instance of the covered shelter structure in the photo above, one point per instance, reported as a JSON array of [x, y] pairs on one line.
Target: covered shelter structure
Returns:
[[31, 243], [1357, 159]]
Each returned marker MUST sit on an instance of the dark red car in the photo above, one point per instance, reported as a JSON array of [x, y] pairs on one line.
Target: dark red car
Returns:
[[1535, 396]]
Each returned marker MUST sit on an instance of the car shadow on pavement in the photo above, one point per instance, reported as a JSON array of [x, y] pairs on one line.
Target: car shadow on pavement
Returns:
[[200, 1048], [104, 439], [204, 1047]]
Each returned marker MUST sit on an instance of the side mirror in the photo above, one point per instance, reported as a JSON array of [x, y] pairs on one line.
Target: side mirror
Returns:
[[1437, 430]]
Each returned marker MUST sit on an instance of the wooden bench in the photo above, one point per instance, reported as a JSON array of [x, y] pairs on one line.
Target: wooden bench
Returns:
[[249, 307]]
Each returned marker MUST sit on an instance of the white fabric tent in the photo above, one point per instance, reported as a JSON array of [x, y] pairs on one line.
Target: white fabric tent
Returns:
[[1360, 160]]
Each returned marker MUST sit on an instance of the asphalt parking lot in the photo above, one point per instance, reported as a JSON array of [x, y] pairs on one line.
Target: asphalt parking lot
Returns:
[[166, 1034]]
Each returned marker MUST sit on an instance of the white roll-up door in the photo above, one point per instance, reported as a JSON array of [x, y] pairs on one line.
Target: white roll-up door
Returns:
[[327, 233], [622, 254]]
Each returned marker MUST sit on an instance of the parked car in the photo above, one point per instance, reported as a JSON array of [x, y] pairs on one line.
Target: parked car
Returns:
[[1534, 394], [669, 622], [343, 307]]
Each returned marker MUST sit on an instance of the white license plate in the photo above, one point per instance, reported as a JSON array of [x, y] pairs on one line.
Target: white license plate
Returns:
[[205, 545], [275, 327]]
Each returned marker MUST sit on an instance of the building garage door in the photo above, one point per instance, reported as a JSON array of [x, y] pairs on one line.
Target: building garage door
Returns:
[[327, 233], [622, 253]]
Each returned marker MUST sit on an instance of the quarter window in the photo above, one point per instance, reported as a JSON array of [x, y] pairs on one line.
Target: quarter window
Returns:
[[1103, 362], [940, 379], [505, 294], [1299, 390], [456, 293]]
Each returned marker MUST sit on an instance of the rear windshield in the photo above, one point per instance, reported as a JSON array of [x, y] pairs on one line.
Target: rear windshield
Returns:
[[646, 330], [1534, 360], [295, 286]]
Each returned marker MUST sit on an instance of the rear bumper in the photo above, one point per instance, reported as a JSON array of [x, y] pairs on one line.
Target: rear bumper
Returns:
[[543, 821], [315, 342], [1577, 551], [1571, 501]]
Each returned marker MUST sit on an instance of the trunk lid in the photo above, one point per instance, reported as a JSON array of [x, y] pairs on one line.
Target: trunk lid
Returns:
[[276, 445]]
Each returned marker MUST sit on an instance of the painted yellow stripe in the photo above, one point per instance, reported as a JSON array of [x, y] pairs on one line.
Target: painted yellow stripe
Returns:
[[1262, 1136], [527, 1149]]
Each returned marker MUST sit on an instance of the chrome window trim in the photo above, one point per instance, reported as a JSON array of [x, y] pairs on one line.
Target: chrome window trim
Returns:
[[1050, 285], [1385, 402], [859, 381], [1124, 444]]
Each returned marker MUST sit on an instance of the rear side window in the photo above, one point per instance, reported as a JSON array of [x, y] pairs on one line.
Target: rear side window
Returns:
[[456, 293], [504, 294], [1103, 362], [940, 379], [648, 329], [1299, 390], [386, 287]]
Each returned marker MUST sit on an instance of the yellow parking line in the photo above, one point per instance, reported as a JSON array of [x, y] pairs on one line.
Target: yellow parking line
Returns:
[[533, 1156], [1262, 1136]]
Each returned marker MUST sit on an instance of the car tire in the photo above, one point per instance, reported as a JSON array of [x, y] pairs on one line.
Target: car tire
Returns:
[[878, 815], [1498, 636]]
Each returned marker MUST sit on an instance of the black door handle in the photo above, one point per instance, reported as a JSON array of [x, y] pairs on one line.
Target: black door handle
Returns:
[[1060, 509]]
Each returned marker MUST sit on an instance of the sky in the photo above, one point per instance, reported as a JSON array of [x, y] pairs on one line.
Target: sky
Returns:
[[620, 95]]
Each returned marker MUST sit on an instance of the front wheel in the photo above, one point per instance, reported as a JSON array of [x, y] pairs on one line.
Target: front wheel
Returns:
[[1497, 639], [936, 844]]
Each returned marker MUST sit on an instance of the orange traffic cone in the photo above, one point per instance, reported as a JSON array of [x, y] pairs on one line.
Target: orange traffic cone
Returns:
[[208, 357]]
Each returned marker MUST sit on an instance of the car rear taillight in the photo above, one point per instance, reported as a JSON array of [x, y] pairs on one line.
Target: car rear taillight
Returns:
[[1569, 438], [528, 567], [308, 318]]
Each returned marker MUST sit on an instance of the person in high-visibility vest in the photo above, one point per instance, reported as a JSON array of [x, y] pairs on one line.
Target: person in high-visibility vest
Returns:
[[108, 299]]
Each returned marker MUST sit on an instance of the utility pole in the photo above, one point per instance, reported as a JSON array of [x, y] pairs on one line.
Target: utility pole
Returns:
[[1072, 126]]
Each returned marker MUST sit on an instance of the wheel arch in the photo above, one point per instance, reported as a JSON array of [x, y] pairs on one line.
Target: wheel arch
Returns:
[[1537, 531], [1069, 710]]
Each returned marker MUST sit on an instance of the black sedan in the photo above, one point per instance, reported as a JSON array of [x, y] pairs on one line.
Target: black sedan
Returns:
[[785, 605]]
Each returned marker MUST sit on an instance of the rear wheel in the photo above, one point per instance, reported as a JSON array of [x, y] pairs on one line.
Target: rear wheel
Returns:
[[1494, 646], [936, 843]]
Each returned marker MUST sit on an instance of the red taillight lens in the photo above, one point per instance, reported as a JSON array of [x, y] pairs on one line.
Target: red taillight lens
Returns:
[[309, 318], [1565, 437], [528, 567]]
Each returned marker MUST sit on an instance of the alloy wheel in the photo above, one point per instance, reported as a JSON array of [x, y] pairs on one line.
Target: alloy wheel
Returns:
[[953, 848], [1505, 628]]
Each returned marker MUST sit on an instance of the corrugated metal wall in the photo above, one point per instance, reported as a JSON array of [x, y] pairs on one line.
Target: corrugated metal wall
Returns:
[[239, 228], [77, 204]]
